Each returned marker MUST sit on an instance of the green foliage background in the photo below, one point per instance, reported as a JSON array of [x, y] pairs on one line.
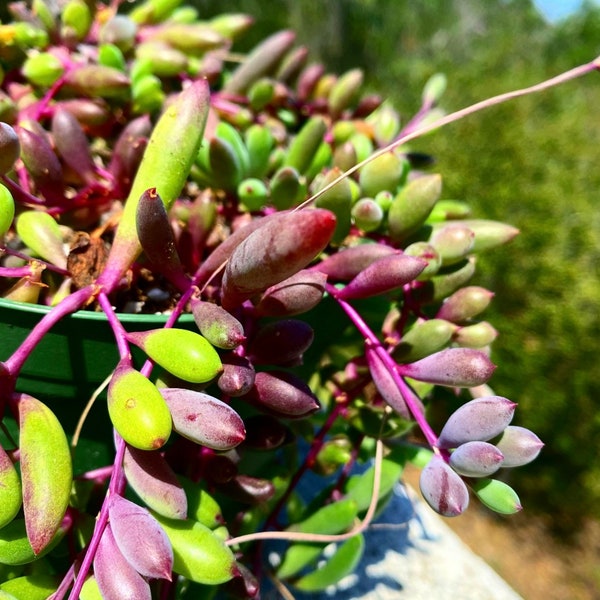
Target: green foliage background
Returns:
[[531, 163]]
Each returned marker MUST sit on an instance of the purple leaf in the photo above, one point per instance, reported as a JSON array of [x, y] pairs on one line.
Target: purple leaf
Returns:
[[294, 295], [73, 145], [478, 420], [384, 275], [116, 578], [156, 236], [443, 489], [280, 342], [476, 459], [280, 248], [519, 446], [385, 383], [204, 419], [217, 325], [282, 394], [454, 367], [238, 375], [153, 480], [347, 264], [140, 539]]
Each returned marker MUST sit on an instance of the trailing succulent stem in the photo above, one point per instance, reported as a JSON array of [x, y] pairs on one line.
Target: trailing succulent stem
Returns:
[[328, 287]]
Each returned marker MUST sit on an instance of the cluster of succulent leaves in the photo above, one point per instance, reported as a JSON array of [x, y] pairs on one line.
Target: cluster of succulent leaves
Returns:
[[147, 166]]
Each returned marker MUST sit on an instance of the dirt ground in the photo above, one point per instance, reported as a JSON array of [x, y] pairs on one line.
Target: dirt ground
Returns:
[[521, 550]]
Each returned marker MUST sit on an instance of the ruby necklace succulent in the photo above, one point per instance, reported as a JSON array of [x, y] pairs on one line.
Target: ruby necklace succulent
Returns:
[[328, 277]]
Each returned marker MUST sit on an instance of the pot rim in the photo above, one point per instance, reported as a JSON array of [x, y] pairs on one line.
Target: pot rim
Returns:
[[92, 316]]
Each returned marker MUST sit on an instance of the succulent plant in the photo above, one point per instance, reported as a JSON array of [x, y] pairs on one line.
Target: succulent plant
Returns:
[[329, 280]]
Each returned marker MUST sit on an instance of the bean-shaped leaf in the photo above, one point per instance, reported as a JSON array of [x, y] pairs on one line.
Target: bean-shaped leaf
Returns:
[[46, 471], [305, 145], [384, 275], [156, 236], [412, 205], [262, 60], [238, 375], [519, 446], [10, 147], [40, 232], [137, 410], [183, 353], [72, 144], [478, 420], [497, 496], [329, 519], [280, 342], [42, 164], [140, 538], [223, 251], [7, 210], [488, 234], [247, 489], [476, 459], [15, 548], [117, 579], [294, 295], [282, 394], [280, 248], [360, 487], [199, 555], [348, 263], [217, 325], [128, 151], [155, 482], [36, 586], [465, 304], [422, 339], [202, 507], [10, 489], [443, 488], [385, 383], [204, 419], [453, 367], [90, 590]]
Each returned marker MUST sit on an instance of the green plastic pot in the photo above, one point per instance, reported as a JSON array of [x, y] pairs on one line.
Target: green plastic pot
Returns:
[[78, 353]]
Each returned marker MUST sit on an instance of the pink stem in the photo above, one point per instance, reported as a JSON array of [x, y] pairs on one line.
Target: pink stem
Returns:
[[118, 329], [69, 305], [372, 340]]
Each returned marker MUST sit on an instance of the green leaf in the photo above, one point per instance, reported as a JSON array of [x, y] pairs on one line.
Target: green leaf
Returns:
[[10, 489], [46, 471], [497, 496], [328, 520], [137, 410], [342, 563], [360, 487], [183, 353], [198, 553], [30, 587]]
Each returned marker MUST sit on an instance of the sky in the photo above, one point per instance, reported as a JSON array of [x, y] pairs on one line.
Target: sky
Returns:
[[555, 10]]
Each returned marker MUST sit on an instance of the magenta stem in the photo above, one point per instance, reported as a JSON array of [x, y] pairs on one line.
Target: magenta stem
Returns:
[[115, 487], [118, 329], [69, 305], [15, 272], [407, 394]]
